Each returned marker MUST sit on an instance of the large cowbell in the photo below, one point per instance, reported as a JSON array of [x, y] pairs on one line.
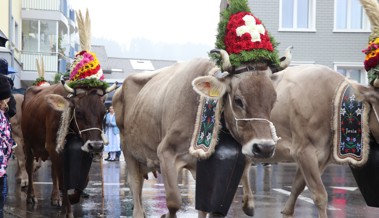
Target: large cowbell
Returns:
[[77, 163], [367, 176]]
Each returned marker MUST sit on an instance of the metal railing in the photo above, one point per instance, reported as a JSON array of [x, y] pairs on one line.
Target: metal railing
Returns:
[[50, 61], [50, 5]]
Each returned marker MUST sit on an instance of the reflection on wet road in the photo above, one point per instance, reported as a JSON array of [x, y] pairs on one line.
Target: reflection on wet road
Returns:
[[110, 195]]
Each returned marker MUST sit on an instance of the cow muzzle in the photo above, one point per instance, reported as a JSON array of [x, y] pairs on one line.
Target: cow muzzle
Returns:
[[259, 148], [93, 146]]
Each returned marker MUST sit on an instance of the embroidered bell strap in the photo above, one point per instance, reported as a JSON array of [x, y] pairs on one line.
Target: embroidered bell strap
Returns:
[[351, 131], [206, 129]]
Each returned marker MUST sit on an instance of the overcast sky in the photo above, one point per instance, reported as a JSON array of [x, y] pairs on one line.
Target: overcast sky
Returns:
[[175, 22]]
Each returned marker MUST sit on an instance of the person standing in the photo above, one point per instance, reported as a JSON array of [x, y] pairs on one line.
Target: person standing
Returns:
[[6, 140], [113, 134]]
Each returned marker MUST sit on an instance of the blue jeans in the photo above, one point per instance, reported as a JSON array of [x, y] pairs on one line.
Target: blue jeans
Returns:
[[3, 193]]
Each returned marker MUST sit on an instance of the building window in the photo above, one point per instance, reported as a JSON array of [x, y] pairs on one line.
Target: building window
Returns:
[[297, 15], [349, 16], [142, 65], [352, 71], [48, 34], [30, 36], [39, 36]]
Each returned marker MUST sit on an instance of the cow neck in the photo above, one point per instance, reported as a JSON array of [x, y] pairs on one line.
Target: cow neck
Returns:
[[271, 125]]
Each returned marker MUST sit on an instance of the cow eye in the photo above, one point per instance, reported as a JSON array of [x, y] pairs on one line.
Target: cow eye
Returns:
[[238, 102]]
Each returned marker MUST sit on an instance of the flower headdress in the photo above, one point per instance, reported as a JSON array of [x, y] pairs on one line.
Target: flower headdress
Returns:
[[85, 71], [40, 81], [371, 62], [244, 37]]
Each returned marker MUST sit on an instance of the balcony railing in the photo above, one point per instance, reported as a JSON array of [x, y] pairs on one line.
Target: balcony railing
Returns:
[[50, 61], [50, 5], [53, 63]]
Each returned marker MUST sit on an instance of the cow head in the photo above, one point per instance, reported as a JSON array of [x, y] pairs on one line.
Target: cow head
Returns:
[[248, 100], [86, 112]]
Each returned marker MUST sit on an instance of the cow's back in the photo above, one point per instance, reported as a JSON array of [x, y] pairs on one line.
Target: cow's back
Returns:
[[40, 123], [304, 109], [162, 107]]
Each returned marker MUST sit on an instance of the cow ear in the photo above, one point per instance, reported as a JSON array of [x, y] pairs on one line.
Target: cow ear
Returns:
[[209, 86], [57, 102]]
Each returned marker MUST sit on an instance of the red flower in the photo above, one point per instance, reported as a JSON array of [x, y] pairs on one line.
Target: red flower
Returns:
[[236, 44]]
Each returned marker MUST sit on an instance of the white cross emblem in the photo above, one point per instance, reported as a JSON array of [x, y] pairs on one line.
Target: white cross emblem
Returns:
[[252, 28]]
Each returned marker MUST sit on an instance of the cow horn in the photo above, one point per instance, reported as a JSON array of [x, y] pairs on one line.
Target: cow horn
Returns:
[[376, 83], [225, 61], [112, 87], [68, 88], [287, 58]]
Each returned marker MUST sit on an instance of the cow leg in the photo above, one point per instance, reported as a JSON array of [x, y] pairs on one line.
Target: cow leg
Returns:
[[30, 199], [135, 180], [170, 174], [66, 209], [201, 214], [55, 193], [21, 174], [298, 186], [248, 198], [312, 174], [311, 170]]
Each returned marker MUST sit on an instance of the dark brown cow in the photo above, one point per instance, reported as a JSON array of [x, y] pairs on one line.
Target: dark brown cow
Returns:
[[48, 111]]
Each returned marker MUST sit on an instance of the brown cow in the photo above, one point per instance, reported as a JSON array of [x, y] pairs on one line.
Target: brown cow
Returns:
[[43, 110], [156, 113], [303, 118], [21, 175]]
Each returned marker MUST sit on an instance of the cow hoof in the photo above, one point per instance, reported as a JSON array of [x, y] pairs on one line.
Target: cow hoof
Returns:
[[74, 198], [248, 211], [31, 200], [286, 215], [56, 202], [66, 215], [24, 183], [167, 216], [215, 215]]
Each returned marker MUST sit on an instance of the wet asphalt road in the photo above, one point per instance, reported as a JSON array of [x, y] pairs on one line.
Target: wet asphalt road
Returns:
[[110, 195]]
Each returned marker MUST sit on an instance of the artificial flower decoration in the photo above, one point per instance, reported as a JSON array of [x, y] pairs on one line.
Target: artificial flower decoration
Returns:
[[244, 37], [40, 81], [371, 62], [252, 28], [245, 32], [85, 71]]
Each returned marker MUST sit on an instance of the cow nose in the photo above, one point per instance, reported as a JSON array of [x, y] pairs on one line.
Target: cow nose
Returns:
[[95, 146], [263, 150]]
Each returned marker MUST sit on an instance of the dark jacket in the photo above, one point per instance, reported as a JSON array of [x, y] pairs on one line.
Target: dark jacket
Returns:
[[12, 102]]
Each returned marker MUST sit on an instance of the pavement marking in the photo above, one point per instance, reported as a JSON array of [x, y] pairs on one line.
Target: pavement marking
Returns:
[[43, 183], [306, 199], [345, 188]]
